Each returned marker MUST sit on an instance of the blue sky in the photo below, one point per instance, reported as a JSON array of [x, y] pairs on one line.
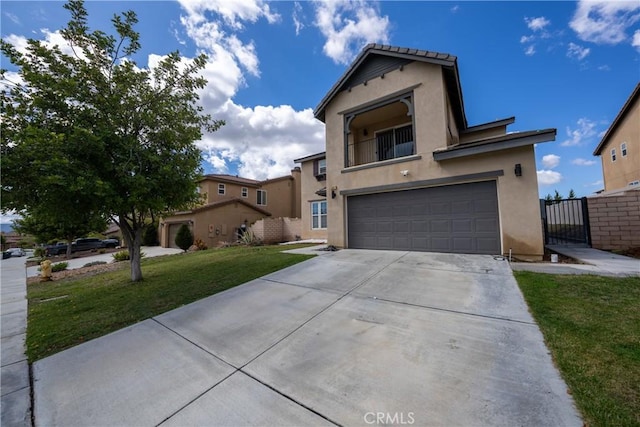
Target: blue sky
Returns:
[[564, 65]]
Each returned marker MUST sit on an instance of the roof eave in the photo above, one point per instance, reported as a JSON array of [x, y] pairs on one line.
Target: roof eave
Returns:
[[619, 117], [545, 135], [310, 157]]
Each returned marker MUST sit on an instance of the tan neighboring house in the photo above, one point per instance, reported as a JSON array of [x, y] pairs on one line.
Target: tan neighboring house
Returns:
[[231, 201], [314, 196], [405, 171], [619, 149]]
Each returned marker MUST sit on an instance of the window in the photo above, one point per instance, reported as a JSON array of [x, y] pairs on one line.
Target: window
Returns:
[[322, 166], [319, 215], [623, 149], [613, 154], [221, 189], [394, 143], [634, 183], [262, 197], [244, 192]]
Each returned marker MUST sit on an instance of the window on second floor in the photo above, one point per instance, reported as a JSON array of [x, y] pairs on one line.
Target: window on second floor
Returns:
[[623, 149], [320, 169], [261, 197], [322, 166], [613, 154], [244, 192], [397, 142], [221, 189]]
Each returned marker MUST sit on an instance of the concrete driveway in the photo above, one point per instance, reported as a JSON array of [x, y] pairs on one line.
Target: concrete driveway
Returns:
[[353, 337]]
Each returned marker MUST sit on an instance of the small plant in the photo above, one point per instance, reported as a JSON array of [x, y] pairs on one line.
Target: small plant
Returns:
[[61, 266], [91, 264], [250, 239], [124, 256], [121, 256], [184, 237], [102, 251], [200, 245], [39, 252]]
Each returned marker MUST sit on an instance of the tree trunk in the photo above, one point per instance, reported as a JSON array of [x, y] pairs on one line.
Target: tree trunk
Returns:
[[69, 240], [133, 238]]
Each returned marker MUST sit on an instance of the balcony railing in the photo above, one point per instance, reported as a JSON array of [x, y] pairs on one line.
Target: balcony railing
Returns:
[[376, 150]]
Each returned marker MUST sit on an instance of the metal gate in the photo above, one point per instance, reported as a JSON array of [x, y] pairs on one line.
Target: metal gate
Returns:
[[566, 222]]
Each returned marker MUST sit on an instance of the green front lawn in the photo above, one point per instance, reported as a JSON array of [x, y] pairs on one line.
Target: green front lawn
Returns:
[[68, 312], [591, 324]]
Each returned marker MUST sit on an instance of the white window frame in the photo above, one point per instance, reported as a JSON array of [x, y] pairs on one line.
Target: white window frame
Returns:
[[222, 189], [261, 197], [613, 154], [244, 192], [623, 149], [322, 167], [318, 215]]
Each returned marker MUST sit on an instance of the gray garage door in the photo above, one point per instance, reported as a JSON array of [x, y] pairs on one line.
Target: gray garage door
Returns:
[[460, 218]]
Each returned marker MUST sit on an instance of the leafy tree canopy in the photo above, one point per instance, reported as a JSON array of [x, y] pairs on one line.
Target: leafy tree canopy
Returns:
[[93, 133]]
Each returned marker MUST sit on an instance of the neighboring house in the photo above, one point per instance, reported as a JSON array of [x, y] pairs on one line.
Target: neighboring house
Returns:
[[314, 196], [409, 173], [231, 201], [619, 149]]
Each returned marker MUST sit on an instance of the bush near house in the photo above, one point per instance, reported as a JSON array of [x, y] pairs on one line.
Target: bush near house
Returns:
[[184, 237]]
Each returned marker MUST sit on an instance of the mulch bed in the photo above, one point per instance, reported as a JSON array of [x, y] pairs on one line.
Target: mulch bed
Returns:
[[82, 272]]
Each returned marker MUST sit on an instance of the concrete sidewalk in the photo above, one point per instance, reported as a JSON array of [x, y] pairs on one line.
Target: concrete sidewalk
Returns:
[[597, 262], [15, 389], [340, 339]]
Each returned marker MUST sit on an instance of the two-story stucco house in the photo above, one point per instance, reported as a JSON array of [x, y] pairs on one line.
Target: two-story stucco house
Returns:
[[231, 201], [404, 170], [619, 149]]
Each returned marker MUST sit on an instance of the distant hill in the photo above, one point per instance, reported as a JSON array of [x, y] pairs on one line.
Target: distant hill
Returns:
[[7, 228]]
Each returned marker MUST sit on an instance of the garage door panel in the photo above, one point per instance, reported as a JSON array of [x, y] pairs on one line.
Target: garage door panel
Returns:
[[460, 218]]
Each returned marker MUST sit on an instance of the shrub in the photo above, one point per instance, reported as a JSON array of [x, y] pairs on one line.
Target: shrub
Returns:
[[61, 266], [91, 264], [250, 239], [39, 252], [150, 237], [121, 256], [184, 237], [200, 245]]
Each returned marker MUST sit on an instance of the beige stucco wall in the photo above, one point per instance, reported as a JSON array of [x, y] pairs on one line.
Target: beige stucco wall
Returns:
[[517, 196], [308, 194], [215, 225], [281, 198], [619, 174]]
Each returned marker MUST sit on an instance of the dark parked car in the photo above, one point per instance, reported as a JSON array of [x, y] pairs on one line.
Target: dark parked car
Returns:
[[6, 255], [78, 245], [111, 243]]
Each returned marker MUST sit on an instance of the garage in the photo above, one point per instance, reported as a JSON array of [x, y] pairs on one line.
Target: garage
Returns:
[[173, 232], [461, 218]]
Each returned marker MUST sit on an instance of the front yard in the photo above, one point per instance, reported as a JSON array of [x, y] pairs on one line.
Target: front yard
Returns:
[[591, 324], [68, 312]]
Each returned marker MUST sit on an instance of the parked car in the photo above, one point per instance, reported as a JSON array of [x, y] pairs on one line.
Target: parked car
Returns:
[[111, 243], [78, 245], [15, 252], [6, 255]]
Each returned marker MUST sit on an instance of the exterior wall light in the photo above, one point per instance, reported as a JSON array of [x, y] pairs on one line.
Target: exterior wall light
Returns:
[[518, 169]]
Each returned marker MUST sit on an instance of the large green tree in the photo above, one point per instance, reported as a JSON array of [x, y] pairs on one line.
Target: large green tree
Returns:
[[95, 132]]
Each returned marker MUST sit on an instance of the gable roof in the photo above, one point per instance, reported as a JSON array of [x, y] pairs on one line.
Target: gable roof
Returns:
[[219, 204], [398, 56], [234, 179], [316, 156], [621, 115]]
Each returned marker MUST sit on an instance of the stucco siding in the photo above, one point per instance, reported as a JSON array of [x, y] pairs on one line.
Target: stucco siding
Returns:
[[617, 175]]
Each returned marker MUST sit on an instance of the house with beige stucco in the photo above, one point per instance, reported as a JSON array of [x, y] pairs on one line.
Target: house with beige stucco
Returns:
[[229, 202], [619, 149], [404, 170], [313, 212]]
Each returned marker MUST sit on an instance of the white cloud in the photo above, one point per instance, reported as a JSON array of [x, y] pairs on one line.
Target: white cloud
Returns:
[[583, 162], [455, 9], [598, 183], [577, 51], [604, 67], [261, 140], [527, 39], [548, 177], [550, 161], [537, 24], [582, 133], [348, 26], [298, 17], [604, 21], [635, 42], [530, 50], [13, 18]]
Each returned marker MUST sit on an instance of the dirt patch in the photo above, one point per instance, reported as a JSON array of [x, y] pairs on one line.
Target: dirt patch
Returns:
[[631, 252], [82, 272]]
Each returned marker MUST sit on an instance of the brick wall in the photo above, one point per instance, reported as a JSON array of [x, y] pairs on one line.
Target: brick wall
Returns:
[[277, 230], [615, 220]]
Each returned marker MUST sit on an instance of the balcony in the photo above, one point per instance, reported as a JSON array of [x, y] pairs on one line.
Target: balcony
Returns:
[[389, 144]]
